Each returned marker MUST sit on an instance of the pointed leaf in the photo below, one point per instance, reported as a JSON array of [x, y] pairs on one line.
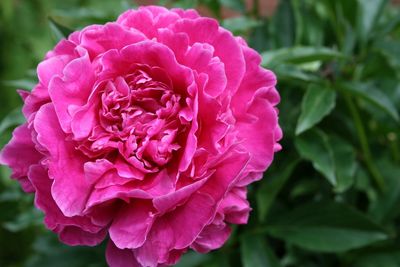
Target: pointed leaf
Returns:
[[345, 163], [314, 146], [239, 24], [317, 103], [14, 118], [193, 259], [373, 95], [21, 84], [300, 55], [60, 31], [368, 16], [326, 227], [292, 73]]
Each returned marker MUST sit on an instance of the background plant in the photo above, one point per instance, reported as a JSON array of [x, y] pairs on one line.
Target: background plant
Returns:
[[331, 197]]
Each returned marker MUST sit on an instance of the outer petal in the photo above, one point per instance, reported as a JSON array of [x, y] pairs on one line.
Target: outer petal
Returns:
[[235, 207], [99, 39], [254, 79], [20, 154], [120, 257], [141, 20], [257, 135], [75, 230], [176, 230], [132, 224], [170, 201], [212, 237], [72, 89], [74, 236], [205, 30], [70, 189]]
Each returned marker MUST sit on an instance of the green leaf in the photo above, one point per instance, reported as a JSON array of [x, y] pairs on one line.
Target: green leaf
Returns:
[[291, 73], [344, 156], [326, 227], [193, 259], [256, 252], [386, 206], [372, 95], [391, 50], [332, 156], [317, 103], [239, 24], [314, 146], [268, 191], [60, 31], [13, 118], [234, 4], [21, 84], [300, 55], [368, 15]]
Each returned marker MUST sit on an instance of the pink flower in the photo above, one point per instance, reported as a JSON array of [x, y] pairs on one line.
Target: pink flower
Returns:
[[147, 129]]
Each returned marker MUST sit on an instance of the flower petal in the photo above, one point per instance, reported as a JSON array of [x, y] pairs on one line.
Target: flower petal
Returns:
[[70, 188], [20, 154]]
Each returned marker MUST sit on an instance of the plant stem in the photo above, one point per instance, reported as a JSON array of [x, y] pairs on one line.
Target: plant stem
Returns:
[[367, 156]]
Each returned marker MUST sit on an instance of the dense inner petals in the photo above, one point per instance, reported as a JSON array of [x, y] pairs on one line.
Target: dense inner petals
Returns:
[[138, 119]]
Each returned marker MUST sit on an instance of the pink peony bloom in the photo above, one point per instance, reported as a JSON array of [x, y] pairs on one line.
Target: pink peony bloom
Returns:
[[146, 130]]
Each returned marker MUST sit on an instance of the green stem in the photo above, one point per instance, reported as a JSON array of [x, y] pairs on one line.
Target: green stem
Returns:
[[367, 156]]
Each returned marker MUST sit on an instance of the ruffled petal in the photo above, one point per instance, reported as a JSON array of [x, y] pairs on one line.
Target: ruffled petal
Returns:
[[131, 225], [19, 154], [70, 188], [120, 257]]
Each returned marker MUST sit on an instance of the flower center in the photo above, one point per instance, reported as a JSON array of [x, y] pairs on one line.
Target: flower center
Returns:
[[138, 117]]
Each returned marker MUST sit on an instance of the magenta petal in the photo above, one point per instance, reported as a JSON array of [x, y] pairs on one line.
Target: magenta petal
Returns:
[[83, 121], [141, 20], [258, 134], [131, 225], [53, 66], [120, 257], [74, 236], [235, 206], [212, 237], [176, 230], [70, 188], [168, 202], [99, 39], [205, 30], [20, 154], [227, 173], [73, 230], [254, 79], [95, 170], [187, 14], [71, 89], [159, 55]]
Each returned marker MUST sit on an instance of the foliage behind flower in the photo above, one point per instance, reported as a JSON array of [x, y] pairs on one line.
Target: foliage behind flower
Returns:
[[147, 129]]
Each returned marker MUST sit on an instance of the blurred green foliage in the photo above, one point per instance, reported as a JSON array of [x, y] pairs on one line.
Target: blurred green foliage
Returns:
[[331, 197]]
